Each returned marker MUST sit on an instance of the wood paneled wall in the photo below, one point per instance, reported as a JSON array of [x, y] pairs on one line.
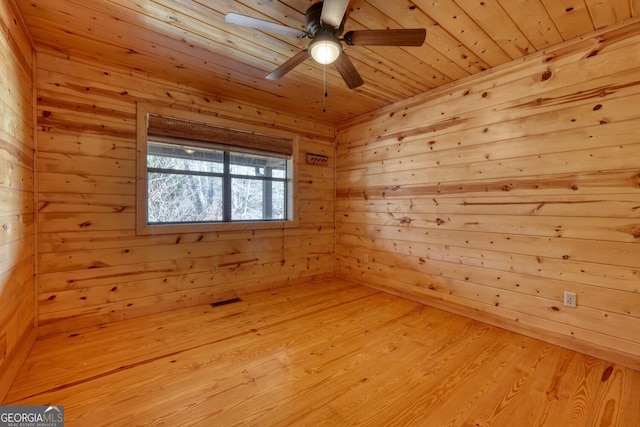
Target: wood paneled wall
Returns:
[[17, 287], [93, 267], [493, 196]]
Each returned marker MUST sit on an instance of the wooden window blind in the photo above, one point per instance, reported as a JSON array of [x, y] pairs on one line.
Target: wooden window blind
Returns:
[[218, 137]]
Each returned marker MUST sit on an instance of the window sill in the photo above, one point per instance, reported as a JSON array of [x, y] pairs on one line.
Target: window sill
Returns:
[[157, 229]]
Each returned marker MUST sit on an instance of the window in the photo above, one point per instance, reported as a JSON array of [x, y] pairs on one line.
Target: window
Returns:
[[202, 175]]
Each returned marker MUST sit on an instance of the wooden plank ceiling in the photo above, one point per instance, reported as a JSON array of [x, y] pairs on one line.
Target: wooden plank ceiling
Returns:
[[188, 42]]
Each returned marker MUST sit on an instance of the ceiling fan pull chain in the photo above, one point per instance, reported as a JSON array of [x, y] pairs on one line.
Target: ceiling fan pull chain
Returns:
[[326, 94]]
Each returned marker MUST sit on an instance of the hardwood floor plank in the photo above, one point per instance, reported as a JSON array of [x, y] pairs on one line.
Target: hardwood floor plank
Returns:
[[326, 353], [361, 379], [107, 348], [460, 404], [429, 379], [526, 399], [613, 405]]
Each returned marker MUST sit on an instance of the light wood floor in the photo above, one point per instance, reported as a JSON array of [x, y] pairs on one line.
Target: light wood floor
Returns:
[[329, 353]]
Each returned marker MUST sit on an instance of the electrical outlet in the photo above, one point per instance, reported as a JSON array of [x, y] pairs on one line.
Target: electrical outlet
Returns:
[[569, 299], [214, 268]]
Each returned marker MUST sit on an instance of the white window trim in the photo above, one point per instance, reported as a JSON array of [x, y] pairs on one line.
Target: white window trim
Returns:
[[142, 226]]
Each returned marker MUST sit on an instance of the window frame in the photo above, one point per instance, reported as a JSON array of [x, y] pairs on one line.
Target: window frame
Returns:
[[143, 227]]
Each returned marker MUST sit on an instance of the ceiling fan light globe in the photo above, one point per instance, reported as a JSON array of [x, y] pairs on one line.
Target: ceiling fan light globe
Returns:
[[325, 51]]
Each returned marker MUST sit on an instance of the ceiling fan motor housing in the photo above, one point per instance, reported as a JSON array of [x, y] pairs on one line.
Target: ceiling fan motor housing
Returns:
[[315, 25]]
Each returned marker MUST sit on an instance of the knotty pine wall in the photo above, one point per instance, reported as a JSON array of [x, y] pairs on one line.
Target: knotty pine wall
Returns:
[[491, 197], [93, 268], [17, 256]]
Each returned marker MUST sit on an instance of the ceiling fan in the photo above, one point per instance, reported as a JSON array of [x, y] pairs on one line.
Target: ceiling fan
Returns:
[[325, 24]]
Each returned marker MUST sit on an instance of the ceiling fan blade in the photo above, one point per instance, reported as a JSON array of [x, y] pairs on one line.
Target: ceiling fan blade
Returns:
[[259, 24], [403, 37], [348, 71], [289, 65], [333, 12]]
